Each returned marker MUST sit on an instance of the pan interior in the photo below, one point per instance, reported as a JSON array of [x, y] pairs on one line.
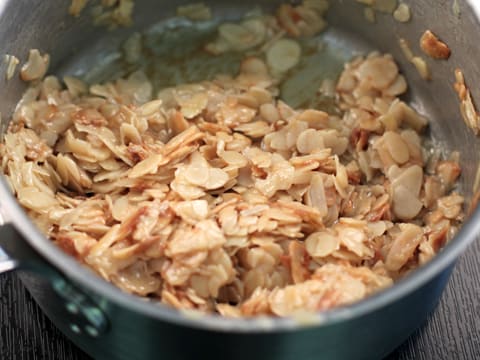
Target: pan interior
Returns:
[[173, 55], [80, 49]]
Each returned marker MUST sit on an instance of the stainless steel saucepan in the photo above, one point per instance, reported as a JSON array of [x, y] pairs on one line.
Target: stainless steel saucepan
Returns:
[[109, 324]]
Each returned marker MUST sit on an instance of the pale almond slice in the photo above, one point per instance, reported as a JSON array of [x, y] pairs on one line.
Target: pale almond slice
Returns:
[[217, 178], [197, 175], [411, 178], [12, 63], [243, 36], [402, 13], [148, 166], [406, 206], [234, 158], [422, 67], [192, 105], [36, 67], [315, 196], [385, 6], [309, 141], [235, 34], [322, 244], [397, 147], [75, 86], [195, 12], [284, 55]]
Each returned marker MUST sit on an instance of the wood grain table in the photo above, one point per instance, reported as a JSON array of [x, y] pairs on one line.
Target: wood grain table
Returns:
[[451, 333]]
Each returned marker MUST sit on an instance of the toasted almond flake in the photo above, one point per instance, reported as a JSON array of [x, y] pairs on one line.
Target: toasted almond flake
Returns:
[[285, 15], [467, 107], [31, 198], [150, 108], [403, 246], [380, 71], [147, 166], [433, 47]]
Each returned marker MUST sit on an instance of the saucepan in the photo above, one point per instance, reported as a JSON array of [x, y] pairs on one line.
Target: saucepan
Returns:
[[109, 324]]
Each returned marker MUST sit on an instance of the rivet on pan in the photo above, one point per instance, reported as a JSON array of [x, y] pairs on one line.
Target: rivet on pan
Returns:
[[75, 328], [72, 308], [90, 330]]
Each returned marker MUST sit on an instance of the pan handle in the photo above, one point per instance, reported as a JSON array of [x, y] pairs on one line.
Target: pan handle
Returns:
[[6, 262], [16, 254], [85, 316]]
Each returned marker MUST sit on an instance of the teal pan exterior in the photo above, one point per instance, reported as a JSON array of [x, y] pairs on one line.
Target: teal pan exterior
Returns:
[[133, 336]]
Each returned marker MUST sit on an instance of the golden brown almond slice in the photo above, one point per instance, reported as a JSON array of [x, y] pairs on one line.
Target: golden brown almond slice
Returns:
[[403, 246], [434, 47]]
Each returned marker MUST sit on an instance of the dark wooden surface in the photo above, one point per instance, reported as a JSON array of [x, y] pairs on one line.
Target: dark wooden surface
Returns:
[[452, 332]]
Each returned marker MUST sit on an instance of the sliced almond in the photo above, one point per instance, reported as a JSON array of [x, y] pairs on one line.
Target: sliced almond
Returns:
[[284, 55], [402, 13], [36, 67], [321, 244], [434, 47]]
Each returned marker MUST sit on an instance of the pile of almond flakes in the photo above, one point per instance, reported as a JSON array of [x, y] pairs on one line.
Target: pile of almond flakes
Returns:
[[219, 197]]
